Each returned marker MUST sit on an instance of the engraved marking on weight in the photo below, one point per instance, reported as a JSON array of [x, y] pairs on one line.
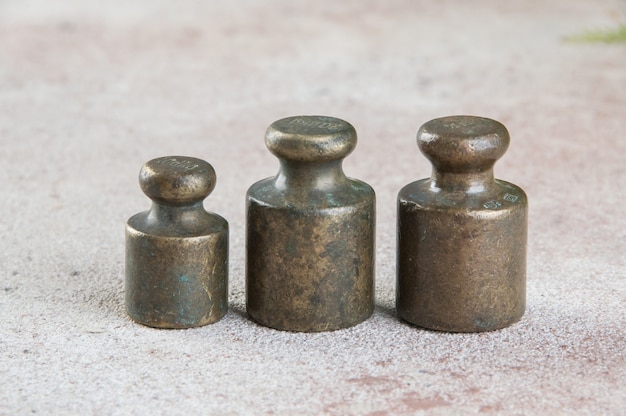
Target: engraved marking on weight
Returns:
[[181, 164], [316, 123], [510, 198], [458, 124], [492, 204]]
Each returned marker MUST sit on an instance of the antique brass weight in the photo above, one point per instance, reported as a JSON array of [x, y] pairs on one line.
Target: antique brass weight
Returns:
[[462, 233], [176, 253], [310, 232]]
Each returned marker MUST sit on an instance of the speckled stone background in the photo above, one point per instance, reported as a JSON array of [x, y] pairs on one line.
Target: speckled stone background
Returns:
[[90, 90]]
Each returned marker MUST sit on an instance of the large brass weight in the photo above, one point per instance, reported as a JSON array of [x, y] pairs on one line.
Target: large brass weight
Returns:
[[310, 232], [462, 233]]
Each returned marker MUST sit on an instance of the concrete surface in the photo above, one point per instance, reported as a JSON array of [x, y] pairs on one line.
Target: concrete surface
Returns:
[[91, 90]]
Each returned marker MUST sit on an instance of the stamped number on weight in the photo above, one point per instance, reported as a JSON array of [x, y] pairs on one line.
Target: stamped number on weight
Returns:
[[510, 198], [493, 204], [180, 164], [320, 124]]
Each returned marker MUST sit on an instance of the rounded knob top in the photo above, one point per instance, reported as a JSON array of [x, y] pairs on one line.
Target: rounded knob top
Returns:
[[463, 143], [311, 138], [177, 180]]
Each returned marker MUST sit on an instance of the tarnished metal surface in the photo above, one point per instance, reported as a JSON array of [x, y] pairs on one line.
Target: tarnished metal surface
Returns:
[[176, 253], [310, 232], [462, 233]]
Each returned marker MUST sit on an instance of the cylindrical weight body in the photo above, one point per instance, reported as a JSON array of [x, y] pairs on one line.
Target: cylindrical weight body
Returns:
[[462, 270], [176, 282], [176, 253], [310, 269], [462, 233], [310, 232]]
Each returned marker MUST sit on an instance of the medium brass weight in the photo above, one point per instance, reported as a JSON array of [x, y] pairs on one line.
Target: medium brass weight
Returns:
[[462, 233], [176, 253], [310, 232]]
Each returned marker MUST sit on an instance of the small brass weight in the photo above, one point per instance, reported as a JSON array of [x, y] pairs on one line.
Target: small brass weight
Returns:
[[462, 233], [310, 232], [176, 253]]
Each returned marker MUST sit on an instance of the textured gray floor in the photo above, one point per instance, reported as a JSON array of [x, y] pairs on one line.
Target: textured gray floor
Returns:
[[91, 90]]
